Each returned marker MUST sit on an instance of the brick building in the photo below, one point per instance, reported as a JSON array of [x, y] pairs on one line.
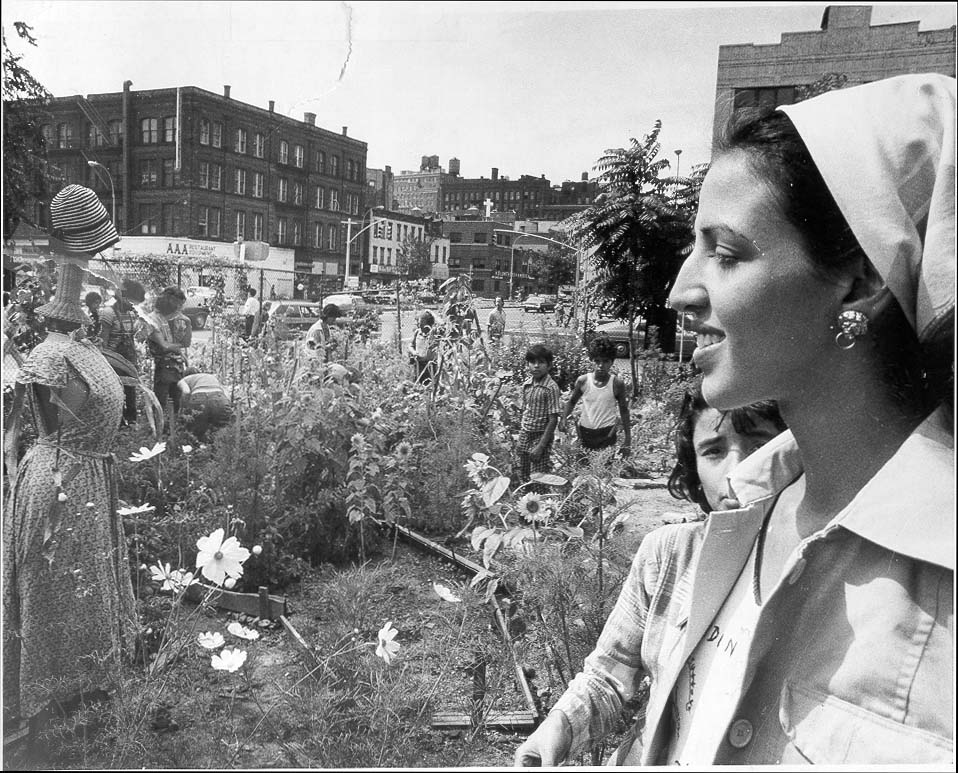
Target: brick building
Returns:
[[188, 163], [846, 44], [381, 188], [422, 190], [395, 232]]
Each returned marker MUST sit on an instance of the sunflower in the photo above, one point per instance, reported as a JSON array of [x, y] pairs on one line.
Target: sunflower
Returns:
[[532, 508], [403, 451]]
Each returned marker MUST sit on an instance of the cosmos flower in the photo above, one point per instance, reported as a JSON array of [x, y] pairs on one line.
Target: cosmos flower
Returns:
[[187, 449], [445, 594], [210, 640], [241, 631], [148, 453], [386, 647], [229, 660], [146, 507], [475, 467], [219, 559]]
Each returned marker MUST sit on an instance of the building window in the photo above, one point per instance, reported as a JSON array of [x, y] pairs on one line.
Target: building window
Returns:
[[297, 233], [320, 197], [298, 194], [257, 227], [214, 222], [319, 162], [375, 258], [240, 225], [239, 141], [350, 169], [259, 145], [455, 237], [169, 128], [281, 230], [202, 221], [318, 235], [149, 217], [298, 155], [479, 237], [116, 131], [150, 131], [240, 180], [95, 137], [284, 152], [445, 258], [64, 135], [331, 237], [169, 172], [389, 256], [334, 166], [217, 134], [169, 220], [204, 131], [258, 185], [334, 200], [216, 177], [204, 181], [149, 173], [283, 189]]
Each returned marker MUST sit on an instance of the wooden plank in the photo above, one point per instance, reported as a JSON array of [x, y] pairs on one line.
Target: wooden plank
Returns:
[[504, 720], [247, 603]]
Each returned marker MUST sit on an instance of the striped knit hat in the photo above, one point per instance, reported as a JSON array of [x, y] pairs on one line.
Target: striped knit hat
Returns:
[[80, 221]]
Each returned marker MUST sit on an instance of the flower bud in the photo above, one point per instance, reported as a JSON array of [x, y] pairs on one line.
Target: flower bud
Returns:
[[61, 497], [257, 549]]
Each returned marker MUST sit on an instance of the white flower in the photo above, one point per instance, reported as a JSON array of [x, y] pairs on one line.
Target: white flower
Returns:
[[445, 594], [386, 647], [210, 640], [187, 449], [61, 497], [229, 583], [257, 549], [173, 579], [181, 580], [229, 660], [218, 558], [242, 631], [148, 453], [532, 508], [146, 507]]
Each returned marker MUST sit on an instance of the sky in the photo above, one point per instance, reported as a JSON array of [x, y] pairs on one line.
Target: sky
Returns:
[[540, 88]]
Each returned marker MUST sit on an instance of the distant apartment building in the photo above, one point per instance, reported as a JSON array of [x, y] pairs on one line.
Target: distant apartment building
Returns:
[[381, 188], [392, 235], [191, 164], [421, 190], [847, 44]]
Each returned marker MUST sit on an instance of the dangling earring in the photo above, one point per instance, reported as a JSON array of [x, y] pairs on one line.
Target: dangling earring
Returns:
[[853, 325]]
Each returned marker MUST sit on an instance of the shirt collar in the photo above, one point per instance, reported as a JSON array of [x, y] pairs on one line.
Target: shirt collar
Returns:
[[907, 507]]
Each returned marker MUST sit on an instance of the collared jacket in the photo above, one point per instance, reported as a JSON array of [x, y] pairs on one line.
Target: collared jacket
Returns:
[[852, 656]]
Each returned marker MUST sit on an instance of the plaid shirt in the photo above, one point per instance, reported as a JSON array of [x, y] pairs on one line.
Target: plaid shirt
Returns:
[[540, 400]]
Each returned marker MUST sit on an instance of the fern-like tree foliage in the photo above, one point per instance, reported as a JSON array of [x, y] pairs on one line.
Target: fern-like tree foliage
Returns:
[[26, 173], [640, 227]]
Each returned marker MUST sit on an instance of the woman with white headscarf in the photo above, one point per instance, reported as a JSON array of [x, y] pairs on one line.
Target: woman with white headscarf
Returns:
[[814, 623]]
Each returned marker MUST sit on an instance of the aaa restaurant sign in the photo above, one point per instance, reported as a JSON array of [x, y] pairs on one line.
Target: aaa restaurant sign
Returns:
[[174, 248]]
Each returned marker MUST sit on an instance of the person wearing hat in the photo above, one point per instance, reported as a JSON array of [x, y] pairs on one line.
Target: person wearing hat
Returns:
[[118, 326], [68, 606]]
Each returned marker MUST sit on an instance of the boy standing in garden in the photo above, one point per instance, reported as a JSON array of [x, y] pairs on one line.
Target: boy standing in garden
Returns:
[[540, 415], [604, 402]]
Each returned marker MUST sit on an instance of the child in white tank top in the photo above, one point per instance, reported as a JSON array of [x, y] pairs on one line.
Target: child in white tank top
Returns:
[[604, 403]]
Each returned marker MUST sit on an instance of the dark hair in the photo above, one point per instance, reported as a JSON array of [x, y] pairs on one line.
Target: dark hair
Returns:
[[775, 151], [331, 310], [601, 348], [427, 317], [132, 291], [251, 291], [539, 353], [168, 301], [684, 482], [92, 297]]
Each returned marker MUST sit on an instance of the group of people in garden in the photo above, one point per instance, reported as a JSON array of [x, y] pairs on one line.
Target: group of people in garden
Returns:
[[807, 616]]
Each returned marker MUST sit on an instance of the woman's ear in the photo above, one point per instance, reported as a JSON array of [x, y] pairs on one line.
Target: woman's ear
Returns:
[[868, 292]]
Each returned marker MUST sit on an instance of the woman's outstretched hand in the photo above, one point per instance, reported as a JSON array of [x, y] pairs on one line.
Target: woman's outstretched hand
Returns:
[[548, 745]]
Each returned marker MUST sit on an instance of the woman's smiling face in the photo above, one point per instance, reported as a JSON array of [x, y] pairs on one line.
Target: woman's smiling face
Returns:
[[763, 315]]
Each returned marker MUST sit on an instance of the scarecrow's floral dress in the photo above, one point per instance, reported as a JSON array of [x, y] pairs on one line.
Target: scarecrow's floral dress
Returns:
[[68, 608]]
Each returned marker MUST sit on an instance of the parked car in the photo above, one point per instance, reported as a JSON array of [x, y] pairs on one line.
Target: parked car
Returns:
[[543, 303], [618, 333], [428, 298], [291, 319], [199, 301]]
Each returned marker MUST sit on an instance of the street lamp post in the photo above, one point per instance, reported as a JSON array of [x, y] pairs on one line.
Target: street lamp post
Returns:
[[535, 236], [93, 164], [348, 222]]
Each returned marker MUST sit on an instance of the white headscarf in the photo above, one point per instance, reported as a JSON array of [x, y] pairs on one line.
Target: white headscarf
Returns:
[[886, 151]]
